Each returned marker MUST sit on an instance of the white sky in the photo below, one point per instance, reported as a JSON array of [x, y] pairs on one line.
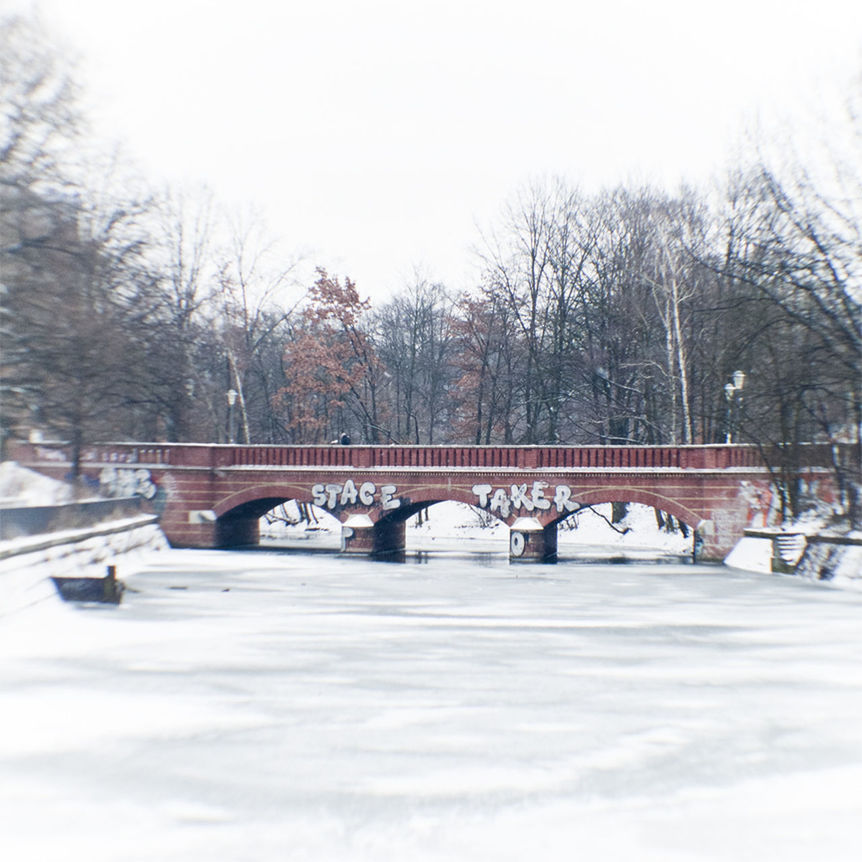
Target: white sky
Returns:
[[376, 135]]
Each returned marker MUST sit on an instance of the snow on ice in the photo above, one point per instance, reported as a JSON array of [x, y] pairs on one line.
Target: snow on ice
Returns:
[[273, 706], [296, 705]]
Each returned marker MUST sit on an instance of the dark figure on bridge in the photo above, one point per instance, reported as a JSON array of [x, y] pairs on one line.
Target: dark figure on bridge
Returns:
[[345, 439]]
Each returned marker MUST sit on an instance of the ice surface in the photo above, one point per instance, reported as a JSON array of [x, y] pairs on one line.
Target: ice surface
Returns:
[[267, 706]]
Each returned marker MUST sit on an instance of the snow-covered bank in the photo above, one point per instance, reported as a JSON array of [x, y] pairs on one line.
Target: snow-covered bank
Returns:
[[834, 561], [822, 554], [25, 576], [22, 487], [27, 563], [751, 554]]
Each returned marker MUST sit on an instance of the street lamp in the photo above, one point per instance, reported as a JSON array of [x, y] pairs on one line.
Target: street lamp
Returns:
[[231, 400], [733, 394]]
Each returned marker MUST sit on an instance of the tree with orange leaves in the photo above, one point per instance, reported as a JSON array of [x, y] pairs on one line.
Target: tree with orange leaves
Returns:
[[331, 368]]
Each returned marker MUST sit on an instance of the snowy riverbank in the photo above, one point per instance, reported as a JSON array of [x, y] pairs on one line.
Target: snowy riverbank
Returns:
[[27, 563]]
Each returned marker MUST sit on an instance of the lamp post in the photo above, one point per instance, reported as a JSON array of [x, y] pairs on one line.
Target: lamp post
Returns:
[[231, 400], [733, 394]]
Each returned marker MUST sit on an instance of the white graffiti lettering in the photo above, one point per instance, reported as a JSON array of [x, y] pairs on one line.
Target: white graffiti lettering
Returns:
[[332, 492], [349, 493], [387, 497], [367, 491], [519, 498], [318, 496], [505, 501], [336, 494], [537, 496], [127, 482], [482, 492], [563, 499], [500, 502]]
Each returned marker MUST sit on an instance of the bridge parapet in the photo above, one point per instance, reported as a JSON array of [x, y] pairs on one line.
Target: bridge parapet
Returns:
[[324, 456], [214, 456], [473, 457]]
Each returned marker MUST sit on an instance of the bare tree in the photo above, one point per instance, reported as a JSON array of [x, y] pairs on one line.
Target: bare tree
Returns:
[[70, 254], [184, 261], [485, 362], [800, 252], [414, 341], [255, 302]]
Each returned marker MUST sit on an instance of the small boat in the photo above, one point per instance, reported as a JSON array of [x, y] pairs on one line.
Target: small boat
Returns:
[[107, 590]]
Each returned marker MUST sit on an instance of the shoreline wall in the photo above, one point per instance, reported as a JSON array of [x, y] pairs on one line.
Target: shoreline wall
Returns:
[[828, 558], [27, 564], [816, 556], [19, 521]]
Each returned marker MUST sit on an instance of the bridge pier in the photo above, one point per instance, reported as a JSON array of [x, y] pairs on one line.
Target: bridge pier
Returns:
[[531, 542], [231, 531], [360, 535]]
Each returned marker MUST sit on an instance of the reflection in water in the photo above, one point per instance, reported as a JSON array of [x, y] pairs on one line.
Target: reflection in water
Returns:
[[424, 557], [483, 552], [487, 558]]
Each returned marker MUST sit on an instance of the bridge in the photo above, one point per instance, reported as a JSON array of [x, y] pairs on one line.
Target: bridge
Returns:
[[212, 496]]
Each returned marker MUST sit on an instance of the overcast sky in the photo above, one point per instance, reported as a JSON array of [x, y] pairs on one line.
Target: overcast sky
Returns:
[[376, 135]]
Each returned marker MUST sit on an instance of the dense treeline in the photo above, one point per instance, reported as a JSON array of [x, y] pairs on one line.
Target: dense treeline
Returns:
[[618, 317]]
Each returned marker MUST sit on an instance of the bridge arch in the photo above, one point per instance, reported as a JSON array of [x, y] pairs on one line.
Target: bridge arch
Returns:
[[249, 499], [238, 515], [673, 507], [423, 498]]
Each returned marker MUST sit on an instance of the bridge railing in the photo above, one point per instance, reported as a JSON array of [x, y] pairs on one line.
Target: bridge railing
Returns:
[[481, 457], [715, 457]]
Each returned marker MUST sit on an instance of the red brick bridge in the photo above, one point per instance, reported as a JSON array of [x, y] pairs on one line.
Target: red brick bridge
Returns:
[[212, 496]]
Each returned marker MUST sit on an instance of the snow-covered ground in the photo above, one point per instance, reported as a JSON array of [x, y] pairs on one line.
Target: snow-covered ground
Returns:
[[22, 487], [269, 706], [25, 575]]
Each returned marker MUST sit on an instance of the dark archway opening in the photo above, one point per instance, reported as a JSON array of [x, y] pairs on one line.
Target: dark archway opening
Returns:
[[249, 524]]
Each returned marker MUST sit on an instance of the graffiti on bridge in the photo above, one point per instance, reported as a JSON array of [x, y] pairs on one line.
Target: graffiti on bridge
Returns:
[[529, 496], [127, 482], [336, 494]]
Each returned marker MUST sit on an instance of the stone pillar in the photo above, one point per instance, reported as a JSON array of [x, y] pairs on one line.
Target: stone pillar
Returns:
[[234, 531], [360, 535], [390, 537], [357, 535], [715, 544], [530, 542]]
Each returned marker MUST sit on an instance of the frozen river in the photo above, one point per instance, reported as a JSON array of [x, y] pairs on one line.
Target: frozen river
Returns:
[[304, 706]]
